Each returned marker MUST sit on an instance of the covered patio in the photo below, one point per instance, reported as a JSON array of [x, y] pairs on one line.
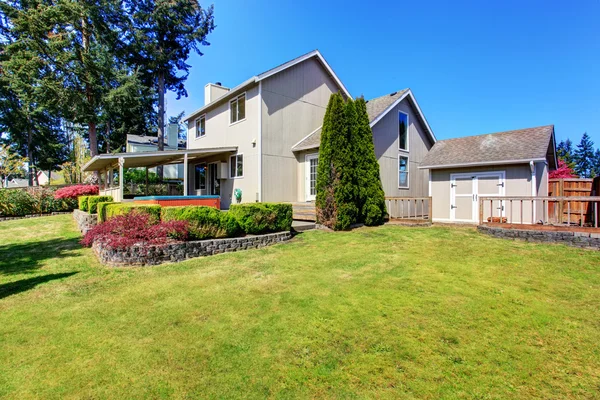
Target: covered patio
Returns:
[[107, 164]]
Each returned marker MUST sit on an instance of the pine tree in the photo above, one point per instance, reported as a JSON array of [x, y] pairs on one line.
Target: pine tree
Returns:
[[325, 202], [564, 151], [584, 157], [371, 197], [344, 161], [164, 33], [596, 164]]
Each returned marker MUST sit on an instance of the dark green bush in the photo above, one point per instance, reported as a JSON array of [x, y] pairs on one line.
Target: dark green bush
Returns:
[[257, 218], [203, 222], [38, 200], [83, 202], [102, 210], [92, 202], [115, 209]]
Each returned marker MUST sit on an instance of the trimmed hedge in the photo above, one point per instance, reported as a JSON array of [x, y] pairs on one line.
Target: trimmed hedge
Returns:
[[34, 200], [203, 222], [102, 210], [257, 218], [115, 209], [83, 202], [92, 202]]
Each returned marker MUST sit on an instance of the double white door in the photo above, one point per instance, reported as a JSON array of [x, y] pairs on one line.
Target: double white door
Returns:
[[466, 189]]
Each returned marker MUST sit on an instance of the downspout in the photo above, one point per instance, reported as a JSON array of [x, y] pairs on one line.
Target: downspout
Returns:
[[259, 142]]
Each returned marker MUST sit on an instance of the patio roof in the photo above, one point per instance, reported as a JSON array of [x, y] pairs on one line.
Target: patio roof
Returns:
[[152, 159]]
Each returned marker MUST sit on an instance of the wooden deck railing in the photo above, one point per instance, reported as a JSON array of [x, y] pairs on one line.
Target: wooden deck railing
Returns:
[[555, 210], [416, 208]]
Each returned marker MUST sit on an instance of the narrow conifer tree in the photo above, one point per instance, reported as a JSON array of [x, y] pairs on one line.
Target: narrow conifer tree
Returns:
[[325, 205], [371, 197]]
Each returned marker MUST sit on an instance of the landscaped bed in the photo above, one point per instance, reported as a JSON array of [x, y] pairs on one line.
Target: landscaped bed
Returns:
[[386, 312]]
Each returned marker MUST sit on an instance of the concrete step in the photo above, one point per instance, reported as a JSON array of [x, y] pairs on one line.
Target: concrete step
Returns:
[[301, 226]]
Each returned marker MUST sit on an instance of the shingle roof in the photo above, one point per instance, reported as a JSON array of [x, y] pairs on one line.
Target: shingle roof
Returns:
[[501, 147], [376, 106], [151, 141], [312, 141]]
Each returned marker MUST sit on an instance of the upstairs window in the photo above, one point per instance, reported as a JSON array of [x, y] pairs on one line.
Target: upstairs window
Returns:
[[402, 131], [201, 126], [236, 166], [237, 109]]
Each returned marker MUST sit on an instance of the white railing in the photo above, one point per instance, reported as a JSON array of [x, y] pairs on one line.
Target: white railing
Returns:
[[581, 211], [114, 191], [415, 208]]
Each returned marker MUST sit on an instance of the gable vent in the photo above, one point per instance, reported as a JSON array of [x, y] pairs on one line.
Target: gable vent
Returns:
[[391, 94]]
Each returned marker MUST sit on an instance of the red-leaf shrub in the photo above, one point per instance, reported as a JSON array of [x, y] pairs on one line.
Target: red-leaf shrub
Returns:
[[135, 228], [73, 192], [563, 171]]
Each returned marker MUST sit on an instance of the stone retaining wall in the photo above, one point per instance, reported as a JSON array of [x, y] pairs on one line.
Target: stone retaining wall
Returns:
[[85, 221], [35, 215], [584, 240], [174, 252]]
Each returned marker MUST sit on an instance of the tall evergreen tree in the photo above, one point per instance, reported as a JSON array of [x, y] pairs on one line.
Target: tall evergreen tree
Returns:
[[596, 164], [325, 201], [564, 151], [165, 33], [584, 157], [371, 197]]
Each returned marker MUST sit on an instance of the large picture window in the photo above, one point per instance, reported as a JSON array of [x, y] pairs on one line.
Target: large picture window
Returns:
[[200, 176], [402, 131], [236, 166], [237, 108], [201, 126], [402, 172]]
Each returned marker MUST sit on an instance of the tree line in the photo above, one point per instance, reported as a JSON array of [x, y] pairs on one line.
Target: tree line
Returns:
[[583, 159], [99, 69]]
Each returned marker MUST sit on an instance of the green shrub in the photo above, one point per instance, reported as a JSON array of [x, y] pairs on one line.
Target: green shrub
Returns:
[[38, 200], [102, 210], [203, 222], [92, 203], [83, 202], [257, 218], [115, 209]]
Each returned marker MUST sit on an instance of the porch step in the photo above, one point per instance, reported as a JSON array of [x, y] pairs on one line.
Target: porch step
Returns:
[[304, 211], [301, 226]]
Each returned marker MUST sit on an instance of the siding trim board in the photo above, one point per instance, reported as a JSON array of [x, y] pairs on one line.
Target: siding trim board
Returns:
[[478, 164]]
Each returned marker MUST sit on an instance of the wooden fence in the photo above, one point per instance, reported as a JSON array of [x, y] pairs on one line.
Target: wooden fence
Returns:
[[581, 211], [409, 208]]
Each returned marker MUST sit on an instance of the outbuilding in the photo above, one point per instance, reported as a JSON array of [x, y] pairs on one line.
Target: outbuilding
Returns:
[[513, 163]]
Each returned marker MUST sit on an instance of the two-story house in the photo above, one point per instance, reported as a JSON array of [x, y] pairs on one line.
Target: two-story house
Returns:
[[274, 120]]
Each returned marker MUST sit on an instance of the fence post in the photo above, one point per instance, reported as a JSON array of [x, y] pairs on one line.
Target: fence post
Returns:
[[480, 211], [430, 209]]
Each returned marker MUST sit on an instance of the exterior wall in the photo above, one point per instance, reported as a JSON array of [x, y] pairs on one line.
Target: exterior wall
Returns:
[[517, 183], [385, 137], [294, 103], [220, 133], [169, 171]]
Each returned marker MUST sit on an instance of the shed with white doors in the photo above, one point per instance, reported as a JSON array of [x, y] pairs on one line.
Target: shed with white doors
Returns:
[[504, 164]]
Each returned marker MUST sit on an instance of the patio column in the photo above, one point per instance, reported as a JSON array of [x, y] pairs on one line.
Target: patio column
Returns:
[[121, 177], [146, 181], [185, 174]]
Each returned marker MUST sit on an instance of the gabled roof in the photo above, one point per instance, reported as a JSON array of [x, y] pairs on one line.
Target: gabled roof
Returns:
[[511, 147], [264, 75], [377, 108]]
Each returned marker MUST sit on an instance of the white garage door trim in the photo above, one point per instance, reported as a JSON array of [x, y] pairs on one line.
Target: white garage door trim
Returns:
[[475, 192]]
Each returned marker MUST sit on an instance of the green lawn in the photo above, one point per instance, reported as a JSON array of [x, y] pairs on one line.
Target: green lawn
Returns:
[[378, 312]]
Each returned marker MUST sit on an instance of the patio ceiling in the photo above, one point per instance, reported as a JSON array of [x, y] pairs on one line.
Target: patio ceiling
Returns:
[[102, 162]]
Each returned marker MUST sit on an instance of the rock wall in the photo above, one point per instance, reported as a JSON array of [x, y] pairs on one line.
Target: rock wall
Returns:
[[85, 221], [584, 240], [174, 252]]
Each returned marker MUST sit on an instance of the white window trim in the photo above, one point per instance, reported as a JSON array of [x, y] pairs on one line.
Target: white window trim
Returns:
[[407, 132], [236, 99], [235, 155], [196, 127], [205, 175], [407, 171]]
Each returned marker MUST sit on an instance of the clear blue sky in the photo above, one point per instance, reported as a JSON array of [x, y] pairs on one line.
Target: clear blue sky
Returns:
[[474, 67]]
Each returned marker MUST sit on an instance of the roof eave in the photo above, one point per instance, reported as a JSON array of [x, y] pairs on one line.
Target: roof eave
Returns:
[[481, 163]]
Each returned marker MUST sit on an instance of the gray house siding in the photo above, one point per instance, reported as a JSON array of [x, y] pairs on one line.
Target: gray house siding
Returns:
[[293, 105], [385, 137]]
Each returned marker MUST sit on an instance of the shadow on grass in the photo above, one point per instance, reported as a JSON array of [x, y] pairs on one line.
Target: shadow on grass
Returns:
[[22, 258], [8, 289]]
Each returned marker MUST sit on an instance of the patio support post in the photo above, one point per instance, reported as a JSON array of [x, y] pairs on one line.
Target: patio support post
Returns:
[[146, 181], [121, 177], [185, 174]]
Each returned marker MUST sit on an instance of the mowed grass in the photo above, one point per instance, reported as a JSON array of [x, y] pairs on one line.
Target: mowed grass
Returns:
[[386, 312]]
